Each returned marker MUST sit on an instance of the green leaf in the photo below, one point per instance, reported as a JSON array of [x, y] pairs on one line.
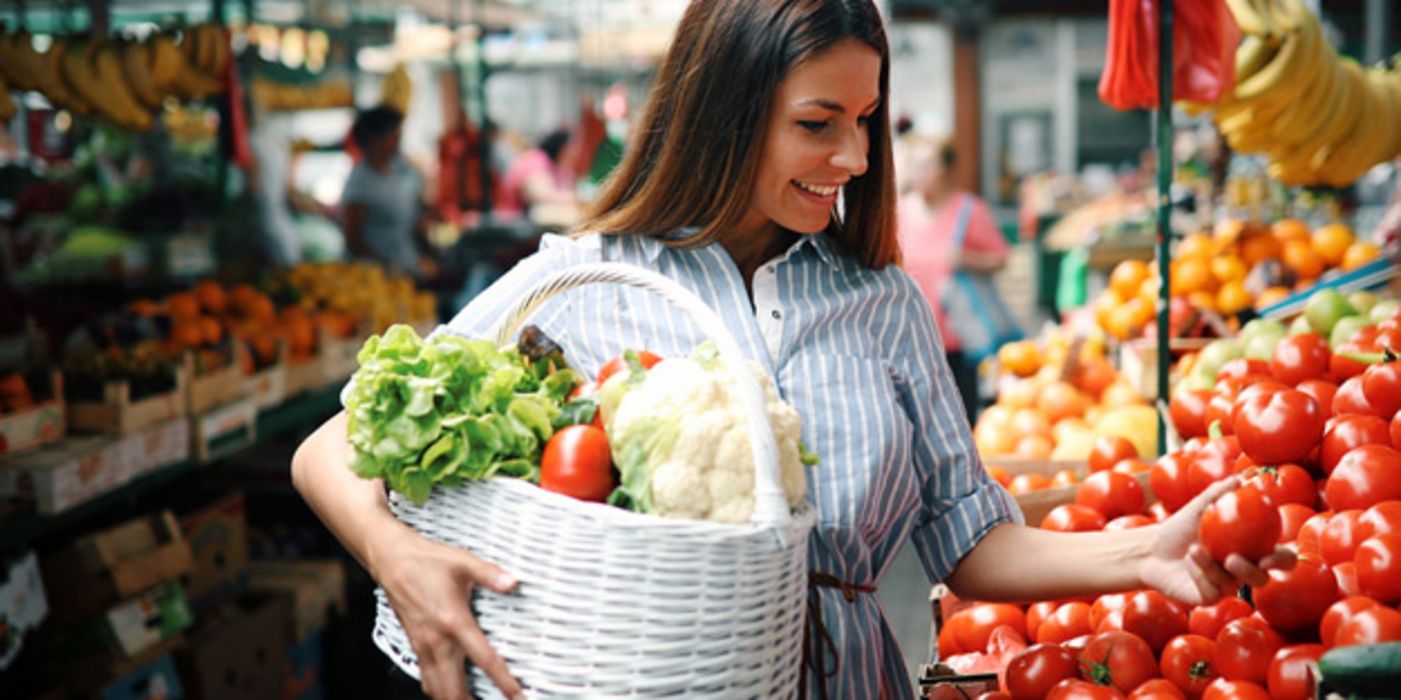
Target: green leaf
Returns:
[[809, 459], [577, 412]]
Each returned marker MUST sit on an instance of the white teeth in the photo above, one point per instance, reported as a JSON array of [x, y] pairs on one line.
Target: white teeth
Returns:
[[820, 191]]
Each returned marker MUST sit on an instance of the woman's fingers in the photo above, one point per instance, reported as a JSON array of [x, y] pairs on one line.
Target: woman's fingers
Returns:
[[1245, 571], [470, 638], [1283, 558], [1195, 569], [486, 573]]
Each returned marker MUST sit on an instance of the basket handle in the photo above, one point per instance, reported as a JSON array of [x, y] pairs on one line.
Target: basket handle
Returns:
[[770, 501]]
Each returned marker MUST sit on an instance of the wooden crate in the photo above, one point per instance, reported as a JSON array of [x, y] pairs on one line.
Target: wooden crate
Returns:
[[224, 430], [339, 354], [117, 414], [216, 388], [36, 426], [268, 386], [101, 569]]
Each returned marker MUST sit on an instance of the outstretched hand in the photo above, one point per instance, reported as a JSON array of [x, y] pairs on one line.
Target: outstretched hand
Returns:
[[1180, 567]]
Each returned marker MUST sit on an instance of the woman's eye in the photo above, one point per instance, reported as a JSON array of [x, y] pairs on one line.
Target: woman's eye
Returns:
[[813, 126]]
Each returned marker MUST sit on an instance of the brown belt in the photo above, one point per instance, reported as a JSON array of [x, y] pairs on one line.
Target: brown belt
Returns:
[[817, 641]]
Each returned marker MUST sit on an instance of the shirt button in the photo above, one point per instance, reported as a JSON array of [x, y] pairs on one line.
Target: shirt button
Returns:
[[772, 269], [777, 313]]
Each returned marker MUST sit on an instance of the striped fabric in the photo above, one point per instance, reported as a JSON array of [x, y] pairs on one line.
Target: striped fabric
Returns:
[[856, 352]]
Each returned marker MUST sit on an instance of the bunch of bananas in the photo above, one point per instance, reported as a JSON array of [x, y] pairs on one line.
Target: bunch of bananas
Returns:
[[120, 81], [277, 97], [397, 89], [1321, 118]]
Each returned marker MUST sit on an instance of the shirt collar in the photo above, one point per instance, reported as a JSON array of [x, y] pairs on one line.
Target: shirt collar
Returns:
[[821, 242]]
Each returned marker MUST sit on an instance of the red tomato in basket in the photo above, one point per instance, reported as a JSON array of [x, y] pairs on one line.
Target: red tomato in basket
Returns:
[[1378, 562], [1069, 517], [1111, 493], [1370, 626], [1286, 483], [1158, 689], [1109, 450], [1300, 357], [1339, 613], [1380, 519], [1187, 662], [1120, 659], [1155, 618], [577, 462], [1294, 673], [1242, 522], [620, 364], [1296, 599], [1364, 477], [1284, 426], [1069, 621], [1322, 391], [1222, 689], [1035, 671], [1208, 620], [1349, 432], [1245, 648], [1076, 689]]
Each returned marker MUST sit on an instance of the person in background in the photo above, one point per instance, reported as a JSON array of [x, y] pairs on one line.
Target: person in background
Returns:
[[536, 186], [942, 230], [382, 205]]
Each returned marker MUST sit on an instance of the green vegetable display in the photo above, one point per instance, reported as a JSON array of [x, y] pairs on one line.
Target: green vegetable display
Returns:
[[449, 410]]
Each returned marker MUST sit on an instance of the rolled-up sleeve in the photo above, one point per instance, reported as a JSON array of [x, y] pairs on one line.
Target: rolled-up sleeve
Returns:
[[960, 502]]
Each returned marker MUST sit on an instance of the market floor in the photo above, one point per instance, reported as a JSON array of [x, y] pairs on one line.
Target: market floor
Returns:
[[904, 594]]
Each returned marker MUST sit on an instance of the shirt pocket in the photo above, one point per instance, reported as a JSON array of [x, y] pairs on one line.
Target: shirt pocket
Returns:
[[854, 422]]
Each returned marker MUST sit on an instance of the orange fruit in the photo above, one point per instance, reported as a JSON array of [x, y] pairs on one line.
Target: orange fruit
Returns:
[[1029, 421], [1121, 322], [186, 333], [999, 475], [1204, 300], [1271, 296], [1127, 276], [1104, 305], [210, 328], [1301, 257], [211, 296], [144, 307], [1228, 231], [1191, 274], [1021, 358], [1142, 311], [1232, 298], [1063, 478], [1289, 229], [1033, 447], [1358, 254], [1061, 400], [1228, 268], [1148, 291], [1196, 244], [993, 439], [1118, 394], [1019, 395], [182, 306], [1066, 426], [1094, 375], [1331, 243], [1027, 483], [1259, 247]]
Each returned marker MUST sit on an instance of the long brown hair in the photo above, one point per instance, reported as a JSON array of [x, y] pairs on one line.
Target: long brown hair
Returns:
[[702, 132]]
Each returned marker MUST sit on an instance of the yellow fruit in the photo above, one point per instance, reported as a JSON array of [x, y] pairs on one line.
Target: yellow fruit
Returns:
[[1300, 256], [1191, 274], [1128, 276], [1359, 254], [1289, 229], [1021, 358], [1232, 298], [1271, 296], [1196, 244], [1258, 247], [1228, 268], [1331, 243], [1204, 300]]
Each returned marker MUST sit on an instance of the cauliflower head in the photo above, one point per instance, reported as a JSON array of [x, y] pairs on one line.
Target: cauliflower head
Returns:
[[680, 438]]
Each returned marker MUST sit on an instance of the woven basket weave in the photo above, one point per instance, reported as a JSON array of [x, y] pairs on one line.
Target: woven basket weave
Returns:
[[618, 604]]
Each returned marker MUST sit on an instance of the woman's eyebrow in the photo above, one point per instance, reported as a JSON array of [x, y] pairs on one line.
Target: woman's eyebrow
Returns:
[[833, 105]]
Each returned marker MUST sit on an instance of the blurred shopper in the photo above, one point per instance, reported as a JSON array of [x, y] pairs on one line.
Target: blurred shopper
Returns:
[[951, 246], [382, 206], [538, 187]]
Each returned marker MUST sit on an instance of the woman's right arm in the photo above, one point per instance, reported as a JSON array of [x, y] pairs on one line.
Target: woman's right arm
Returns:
[[428, 583]]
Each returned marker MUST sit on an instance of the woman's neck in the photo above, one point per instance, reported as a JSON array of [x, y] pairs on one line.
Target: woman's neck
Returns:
[[751, 244]]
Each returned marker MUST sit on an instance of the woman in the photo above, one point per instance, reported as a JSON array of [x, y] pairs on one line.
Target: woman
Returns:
[[382, 204], [537, 186], [942, 231], [764, 113]]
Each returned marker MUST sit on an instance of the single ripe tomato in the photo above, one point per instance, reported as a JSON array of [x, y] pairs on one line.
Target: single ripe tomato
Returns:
[[1281, 427], [1188, 410], [1036, 613], [1380, 519], [1155, 618], [1396, 430], [1346, 575], [1207, 620], [1188, 663], [1128, 522], [1348, 432], [1245, 648], [1131, 466], [1168, 479], [1076, 689], [1158, 689], [1111, 493], [1296, 599], [1309, 541], [1300, 357], [1244, 368], [1070, 620], [577, 462], [1292, 517], [1108, 450], [620, 363], [1028, 482], [1364, 477], [1263, 387], [1350, 399], [1341, 612], [1063, 478], [1322, 391], [1286, 483], [1223, 689], [1338, 540], [1370, 626], [1293, 673], [1106, 604], [1378, 562], [1381, 384], [1120, 659], [1069, 517], [1241, 522], [1032, 674], [980, 620]]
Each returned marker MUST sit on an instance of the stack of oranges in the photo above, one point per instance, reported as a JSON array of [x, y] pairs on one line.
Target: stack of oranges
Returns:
[[1238, 266]]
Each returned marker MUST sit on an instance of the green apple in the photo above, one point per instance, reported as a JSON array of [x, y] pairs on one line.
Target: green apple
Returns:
[[1217, 353], [1363, 301], [1344, 329], [1324, 308], [1261, 326], [1195, 381], [1300, 325], [1262, 346], [1384, 309]]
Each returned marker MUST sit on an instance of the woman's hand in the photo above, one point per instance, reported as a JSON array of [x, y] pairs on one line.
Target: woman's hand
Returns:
[[429, 585], [1180, 567]]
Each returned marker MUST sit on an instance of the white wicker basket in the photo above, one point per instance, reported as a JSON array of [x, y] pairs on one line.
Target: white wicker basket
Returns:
[[618, 604]]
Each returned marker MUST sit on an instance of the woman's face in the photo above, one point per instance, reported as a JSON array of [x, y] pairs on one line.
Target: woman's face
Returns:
[[817, 138]]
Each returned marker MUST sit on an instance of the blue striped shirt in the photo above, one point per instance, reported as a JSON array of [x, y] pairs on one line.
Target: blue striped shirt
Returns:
[[856, 353]]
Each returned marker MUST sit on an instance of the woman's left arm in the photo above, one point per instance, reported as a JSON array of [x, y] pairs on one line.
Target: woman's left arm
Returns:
[[1019, 563]]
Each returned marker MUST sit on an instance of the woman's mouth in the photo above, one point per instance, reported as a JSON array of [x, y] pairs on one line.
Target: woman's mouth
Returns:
[[825, 194]]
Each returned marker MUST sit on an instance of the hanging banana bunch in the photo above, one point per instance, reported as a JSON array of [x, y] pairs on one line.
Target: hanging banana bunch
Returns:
[[1322, 119], [397, 89]]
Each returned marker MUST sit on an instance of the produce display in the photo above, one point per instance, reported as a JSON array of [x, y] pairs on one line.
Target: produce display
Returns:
[[1322, 119], [277, 97], [448, 410]]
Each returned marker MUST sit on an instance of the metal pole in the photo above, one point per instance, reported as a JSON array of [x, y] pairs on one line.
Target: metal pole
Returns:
[[483, 143], [1162, 132]]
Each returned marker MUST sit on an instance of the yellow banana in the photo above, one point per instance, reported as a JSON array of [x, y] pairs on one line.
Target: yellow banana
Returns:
[[136, 67], [1280, 77], [1248, 18], [23, 70], [165, 63], [108, 66], [1299, 120], [189, 81], [55, 87], [218, 50], [1253, 54]]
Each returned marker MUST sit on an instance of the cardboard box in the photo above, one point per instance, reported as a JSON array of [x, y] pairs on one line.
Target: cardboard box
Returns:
[[118, 414], [301, 679], [153, 617], [316, 586], [307, 375], [225, 430], [22, 605], [237, 653], [36, 426], [213, 389], [65, 474], [158, 446], [101, 569], [218, 537], [339, 355], [268, 386], [157, 680]]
